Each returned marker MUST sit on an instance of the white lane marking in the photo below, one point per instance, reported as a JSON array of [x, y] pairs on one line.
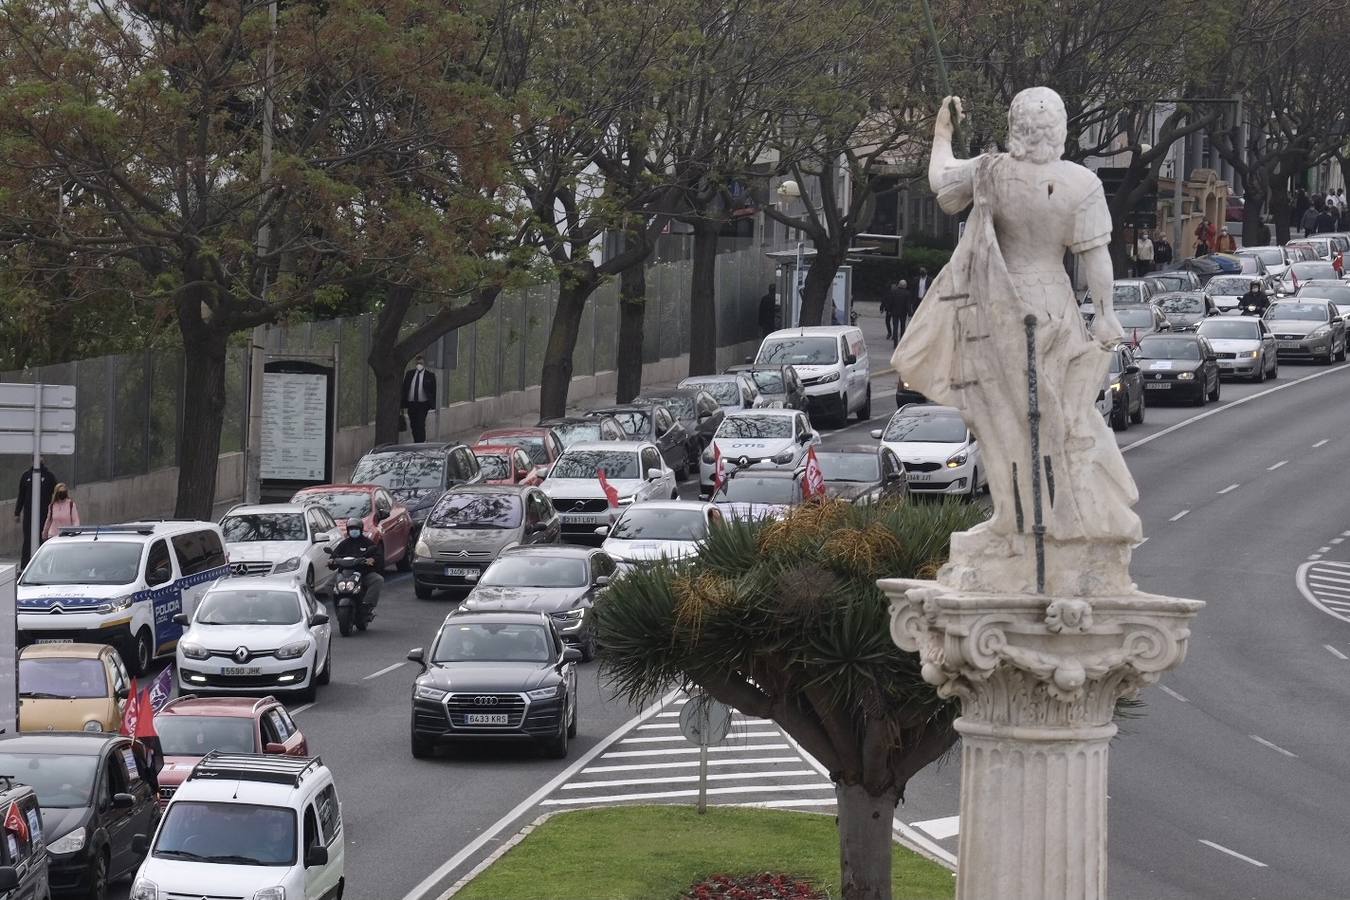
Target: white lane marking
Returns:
[[1345, 534], [1314, 556], [299, 709], [658, 725], [1331, 580], [1334, 652], [1337, 540], [1321, 443], [1332, 595], [1179, 516], [1323, 549], [1336, 565], [1230, 488], [1283, 462], [1233, 405], [1233, 853], [670, 795], [691, 763], [691, 778], [425, 886], [1142, 542], [949, 826], [1273, 746], [672, 751], [667, 738], [385, 671], [1171, 693], [785, 804]]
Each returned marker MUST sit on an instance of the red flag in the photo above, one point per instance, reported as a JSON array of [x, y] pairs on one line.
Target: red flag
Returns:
[[14, 821], [1294, 275], [145, 717], [719, 470], [1135, 341], [813, 481], [131, 712], [611, 492]]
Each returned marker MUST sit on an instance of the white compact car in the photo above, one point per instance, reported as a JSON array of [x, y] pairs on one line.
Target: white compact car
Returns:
[[634, 469], [662, 529], [764, 439], [256, 636], [832, 362], [249, 826], [279, 538], [938, 451]]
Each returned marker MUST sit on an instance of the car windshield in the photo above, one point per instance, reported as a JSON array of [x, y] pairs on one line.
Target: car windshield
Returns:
[[535, 571], [62, 679], [680, 407], [264, 527], [469, 641], [754, 427], [1302, 312], [84, 562], [1180, 303], [1166, 348], [401, 471], [532, 444], [1307, 270], [919, 428], [341, 506], [751, 489], [62, 781], [640, 524], [769, 381], [477, 510], [199, 735], [494, 466], [1231, 329], [1127, 293], [1136, 317], [633, 421], [800, 351], [1228, 286], [1172, 281], [248, 608], [588, 463], [1271, 256], [864, 467], [1334, 292], [578, 432], [236, 834], [726, 392]]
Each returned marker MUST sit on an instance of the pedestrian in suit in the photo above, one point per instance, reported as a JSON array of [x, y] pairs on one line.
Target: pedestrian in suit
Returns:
[[419, 397], [23, 507], [890, 308], [921, 284], [905, 305]]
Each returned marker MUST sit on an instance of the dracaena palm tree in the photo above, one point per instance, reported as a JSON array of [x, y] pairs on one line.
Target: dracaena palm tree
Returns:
[[783, 620]]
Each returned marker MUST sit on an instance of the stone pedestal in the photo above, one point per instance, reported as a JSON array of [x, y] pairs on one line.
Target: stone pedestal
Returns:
[[1038, 678]]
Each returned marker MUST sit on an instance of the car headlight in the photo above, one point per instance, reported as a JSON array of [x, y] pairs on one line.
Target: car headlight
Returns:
[[1115, 386], [289, 565], [1320, 331], [93, 725], [422, 692], [547, 693], [292, 651], [70, 843], [116, 604], [144, 889], [271, 893], [193, 651], [957, 461], [708, 455], [785, 457], [1251, 354], [570, 615], [1186, 376], [827, 379], [421, 549]]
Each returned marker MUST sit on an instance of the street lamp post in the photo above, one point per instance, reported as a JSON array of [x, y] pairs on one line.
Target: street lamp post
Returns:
[[257, 344], [787, 191]]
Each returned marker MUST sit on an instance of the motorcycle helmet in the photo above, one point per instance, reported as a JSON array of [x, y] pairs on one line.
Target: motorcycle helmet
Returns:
[[354, 527]]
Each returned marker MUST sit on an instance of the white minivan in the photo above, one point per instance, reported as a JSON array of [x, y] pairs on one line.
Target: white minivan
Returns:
[[247, 825], [832, 362]]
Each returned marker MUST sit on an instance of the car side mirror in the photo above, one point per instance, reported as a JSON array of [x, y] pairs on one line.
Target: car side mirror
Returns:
[[122, 693], [316, 856], [419, 656], [274, 748], [381, 515], [876, 434], [535, 528], [140, 843], [601, 580], [571, 655], [602, 531], [123, 801], [318, 619], [1131, 370], [181, 619], [653, 474], [322, 537], [850, 360], [804, 437], [328, 550]]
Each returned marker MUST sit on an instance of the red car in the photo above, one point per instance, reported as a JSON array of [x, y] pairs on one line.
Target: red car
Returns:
[[385, 520], [190, 727], [506, 464], [540, 443]]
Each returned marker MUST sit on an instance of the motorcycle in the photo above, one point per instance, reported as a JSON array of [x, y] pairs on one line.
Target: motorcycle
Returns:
[[1251, 309], [349, 594]]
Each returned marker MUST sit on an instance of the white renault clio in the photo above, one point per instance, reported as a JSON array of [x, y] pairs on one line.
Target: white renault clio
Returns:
[[247, 826]]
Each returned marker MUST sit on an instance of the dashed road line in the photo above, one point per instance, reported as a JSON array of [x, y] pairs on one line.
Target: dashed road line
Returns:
[[1179, 516], [1171, 693], [946, 827], [299, 709], [1334, 652], [1321, 443], [1230, 488], [1273, 746], [385, 671], [1323, 550], [1283, 462], [1337, 540], [1233, 853]]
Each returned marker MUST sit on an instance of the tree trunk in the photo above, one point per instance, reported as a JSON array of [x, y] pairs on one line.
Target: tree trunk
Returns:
[[632, 319], [204, 350], [1253, 207], [388, 383], [1279, 208], [555, 381], [816, 290], [1120, 259], [703, 301], [864, 842]]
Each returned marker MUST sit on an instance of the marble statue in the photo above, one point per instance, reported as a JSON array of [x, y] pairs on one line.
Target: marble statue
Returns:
[[967, 347]]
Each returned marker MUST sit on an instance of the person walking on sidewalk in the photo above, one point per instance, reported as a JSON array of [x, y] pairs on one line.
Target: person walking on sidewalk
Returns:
[[905, 305], [23, 507], [890, 308], [1162, 251], [61, 512], [1143, 255], [419, 396], [768, 311], [1309, 221]]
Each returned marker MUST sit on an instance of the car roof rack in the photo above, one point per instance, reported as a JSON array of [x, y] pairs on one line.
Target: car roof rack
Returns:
[[289, 770], [96, 530]]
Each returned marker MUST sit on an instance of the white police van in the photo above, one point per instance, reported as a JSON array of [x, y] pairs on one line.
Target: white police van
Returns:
[[120, 585]]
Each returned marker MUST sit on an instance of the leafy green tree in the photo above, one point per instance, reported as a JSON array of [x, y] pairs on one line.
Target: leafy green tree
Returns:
[[783, 620]]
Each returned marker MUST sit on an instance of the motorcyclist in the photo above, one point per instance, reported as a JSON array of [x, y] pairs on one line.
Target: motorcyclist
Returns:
[[1255, 301], [371, 555]]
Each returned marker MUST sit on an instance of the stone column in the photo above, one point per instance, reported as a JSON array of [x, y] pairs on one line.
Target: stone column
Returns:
[[1038, 679]]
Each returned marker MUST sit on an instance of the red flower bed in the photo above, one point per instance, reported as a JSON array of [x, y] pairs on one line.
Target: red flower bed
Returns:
[[768, 886]]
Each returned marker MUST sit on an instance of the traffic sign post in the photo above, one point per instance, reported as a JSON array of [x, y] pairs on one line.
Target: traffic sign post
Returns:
[[37, 419], [704, 721]]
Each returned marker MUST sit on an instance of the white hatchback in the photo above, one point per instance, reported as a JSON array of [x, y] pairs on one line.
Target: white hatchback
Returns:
[[663, 529], [256, 636], [938, 451]]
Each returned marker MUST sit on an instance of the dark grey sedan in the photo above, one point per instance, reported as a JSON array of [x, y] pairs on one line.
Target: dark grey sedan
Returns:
[[777, 385], [1307, 328], [696, 409], [1185, 310], [655, 422]]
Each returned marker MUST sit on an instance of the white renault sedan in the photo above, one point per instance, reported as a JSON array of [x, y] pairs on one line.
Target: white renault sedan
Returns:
[[281, 538], [763, 438], [256, 636], [939, 453], [634, 469], [663, 529]]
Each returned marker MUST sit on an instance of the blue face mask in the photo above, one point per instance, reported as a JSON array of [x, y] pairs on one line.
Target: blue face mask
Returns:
[[354, 532]]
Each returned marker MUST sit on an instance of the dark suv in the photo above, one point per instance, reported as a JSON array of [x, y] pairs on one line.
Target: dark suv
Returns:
[[1127, 389], [417, 474], [655, 422], [23, 856]]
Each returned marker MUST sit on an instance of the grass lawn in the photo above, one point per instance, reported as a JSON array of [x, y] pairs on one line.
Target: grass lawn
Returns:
[[655, 852]]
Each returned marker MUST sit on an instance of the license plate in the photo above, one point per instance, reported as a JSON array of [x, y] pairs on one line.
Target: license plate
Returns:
[[1288, 345], [1158, 386], [54, 641], [453, 572], [573, 519], [241, 670], [485, 719], [919, 476]]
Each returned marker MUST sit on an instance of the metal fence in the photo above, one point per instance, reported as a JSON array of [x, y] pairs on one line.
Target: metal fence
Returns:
[[129, 407]]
